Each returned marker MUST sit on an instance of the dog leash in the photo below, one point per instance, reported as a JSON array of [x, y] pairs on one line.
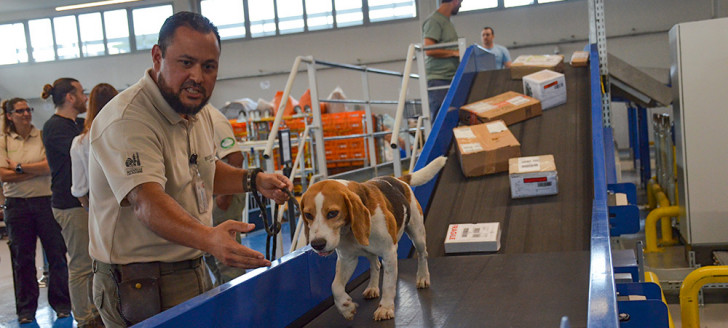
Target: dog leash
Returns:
[[274, 227]]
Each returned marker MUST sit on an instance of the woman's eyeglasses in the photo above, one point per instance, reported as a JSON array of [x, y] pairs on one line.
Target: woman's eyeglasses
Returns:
[[23, 110]]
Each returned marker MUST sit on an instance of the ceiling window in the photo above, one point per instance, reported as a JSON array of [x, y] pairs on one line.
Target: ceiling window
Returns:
[[66, 33], [516, 3], [147, 22], [116, 26], [92, 34], [319, 15], [14, 49], [477, 5], [348, 12], [262, 18], [381, 10], [227, 15], [41, 40], [290, 16]]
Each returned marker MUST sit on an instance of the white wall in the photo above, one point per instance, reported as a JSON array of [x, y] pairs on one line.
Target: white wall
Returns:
[[636, 29]]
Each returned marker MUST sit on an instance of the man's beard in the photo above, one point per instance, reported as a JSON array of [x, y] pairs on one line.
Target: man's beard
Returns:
[[175, 101], [80, 106]]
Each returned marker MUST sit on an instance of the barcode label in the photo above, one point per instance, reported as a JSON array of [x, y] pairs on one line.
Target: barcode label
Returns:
[[496, 127], [529, 164], [520, 100], [464, 133], [471, 148], [482, 107]]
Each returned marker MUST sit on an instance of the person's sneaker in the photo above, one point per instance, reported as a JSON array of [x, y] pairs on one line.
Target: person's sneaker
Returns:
[[25, 320], [43, 281], [62, 315]]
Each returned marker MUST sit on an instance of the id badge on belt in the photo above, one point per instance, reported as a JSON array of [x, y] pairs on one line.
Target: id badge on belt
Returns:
[[199, 185]]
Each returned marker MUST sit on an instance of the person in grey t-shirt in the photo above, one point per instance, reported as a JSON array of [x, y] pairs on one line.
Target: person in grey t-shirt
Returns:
[[502, 56]]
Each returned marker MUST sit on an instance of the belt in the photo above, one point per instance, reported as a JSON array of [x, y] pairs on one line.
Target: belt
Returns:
[[164, 267]]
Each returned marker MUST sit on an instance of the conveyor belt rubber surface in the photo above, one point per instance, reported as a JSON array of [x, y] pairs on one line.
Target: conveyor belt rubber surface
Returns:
[[541, 272]]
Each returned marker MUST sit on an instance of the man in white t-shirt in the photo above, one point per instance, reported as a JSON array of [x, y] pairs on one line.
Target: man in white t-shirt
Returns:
[[502, 56]]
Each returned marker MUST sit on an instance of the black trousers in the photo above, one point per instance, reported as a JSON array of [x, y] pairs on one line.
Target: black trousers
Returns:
[[28, 219]]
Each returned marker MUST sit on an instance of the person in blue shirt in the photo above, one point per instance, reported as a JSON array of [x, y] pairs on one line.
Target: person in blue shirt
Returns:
[[502, 56]]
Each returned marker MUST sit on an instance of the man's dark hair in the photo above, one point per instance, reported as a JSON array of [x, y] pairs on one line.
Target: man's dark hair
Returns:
[[492, 31], [59, 90], [444, 1], [192, 20]]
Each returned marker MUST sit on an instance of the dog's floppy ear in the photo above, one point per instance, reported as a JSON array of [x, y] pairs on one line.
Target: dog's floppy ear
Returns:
[[359, 217]]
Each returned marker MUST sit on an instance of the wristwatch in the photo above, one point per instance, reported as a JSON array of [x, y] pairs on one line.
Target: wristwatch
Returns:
[[19, 169]]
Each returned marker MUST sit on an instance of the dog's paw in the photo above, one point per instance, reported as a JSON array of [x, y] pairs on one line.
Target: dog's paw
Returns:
[[384, 313], [423, 282], [371, 292], [347, 309]]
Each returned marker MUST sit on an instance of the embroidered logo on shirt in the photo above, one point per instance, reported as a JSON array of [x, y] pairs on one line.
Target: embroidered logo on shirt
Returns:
[[133, 164], [227, 143]]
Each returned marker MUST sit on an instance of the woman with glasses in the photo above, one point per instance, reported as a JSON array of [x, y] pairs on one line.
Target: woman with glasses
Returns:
[[27, 187]]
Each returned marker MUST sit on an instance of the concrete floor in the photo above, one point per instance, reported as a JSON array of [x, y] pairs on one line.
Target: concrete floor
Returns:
[[44, 316]]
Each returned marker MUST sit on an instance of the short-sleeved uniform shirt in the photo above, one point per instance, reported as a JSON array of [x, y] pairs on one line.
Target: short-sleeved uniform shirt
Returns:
[[138, 138], [224, 135], [502, 56], [439, 28], [29, 150]]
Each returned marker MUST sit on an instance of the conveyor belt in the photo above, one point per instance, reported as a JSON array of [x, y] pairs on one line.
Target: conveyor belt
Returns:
[[541, 271], [543, 224]]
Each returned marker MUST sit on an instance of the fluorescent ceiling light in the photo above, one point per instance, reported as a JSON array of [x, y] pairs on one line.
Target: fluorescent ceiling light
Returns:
[[92, 4]]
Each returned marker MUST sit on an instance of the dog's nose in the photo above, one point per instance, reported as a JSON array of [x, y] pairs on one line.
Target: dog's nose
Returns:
[[318, 244]]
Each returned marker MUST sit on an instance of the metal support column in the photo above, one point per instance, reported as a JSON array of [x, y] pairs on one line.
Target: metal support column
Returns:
[[598, 35], [369, 128], [644, 145], [318, 131], [634, 144]]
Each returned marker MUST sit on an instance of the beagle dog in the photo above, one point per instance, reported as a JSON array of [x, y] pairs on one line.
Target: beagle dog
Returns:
[[368, 219]]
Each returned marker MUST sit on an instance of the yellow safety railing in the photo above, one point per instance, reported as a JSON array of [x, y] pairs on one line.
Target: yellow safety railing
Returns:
[[664, 212], [690, 288], [652, 277]]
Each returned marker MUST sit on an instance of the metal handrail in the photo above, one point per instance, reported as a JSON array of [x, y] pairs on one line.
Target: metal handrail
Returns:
[[284, 101], [362, 68], [311, 61]]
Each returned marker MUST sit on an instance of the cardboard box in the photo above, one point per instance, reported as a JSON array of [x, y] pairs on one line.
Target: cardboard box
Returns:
[[527, 64], [533, 176], [485, 148], [579, 59], [473, 237], [547, 86], [511, 107]]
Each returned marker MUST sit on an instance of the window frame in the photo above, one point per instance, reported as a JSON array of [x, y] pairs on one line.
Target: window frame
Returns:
[[130, 26], [365, 20]]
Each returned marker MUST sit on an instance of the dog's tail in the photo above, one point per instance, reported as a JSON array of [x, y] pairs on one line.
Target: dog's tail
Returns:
[[425, 174]]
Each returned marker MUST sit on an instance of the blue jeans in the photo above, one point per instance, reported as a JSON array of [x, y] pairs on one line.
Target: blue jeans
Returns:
[[436, 96], [27, 220]]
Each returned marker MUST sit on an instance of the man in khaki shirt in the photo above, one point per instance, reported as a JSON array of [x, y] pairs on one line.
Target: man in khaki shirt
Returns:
[[152, 173]]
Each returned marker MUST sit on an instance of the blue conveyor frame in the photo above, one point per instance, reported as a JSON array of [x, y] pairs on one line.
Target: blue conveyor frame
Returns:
[[298, 282]]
